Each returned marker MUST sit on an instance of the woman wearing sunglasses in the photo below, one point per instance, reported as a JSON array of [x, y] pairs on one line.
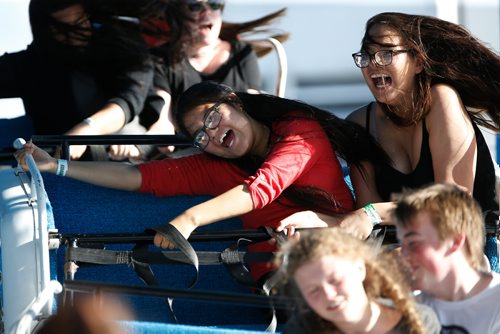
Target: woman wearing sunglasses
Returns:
[[264, 158], [215, 53], [433, 84]]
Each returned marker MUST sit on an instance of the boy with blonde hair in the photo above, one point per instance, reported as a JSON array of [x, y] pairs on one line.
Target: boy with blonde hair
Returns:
[[442, 234]]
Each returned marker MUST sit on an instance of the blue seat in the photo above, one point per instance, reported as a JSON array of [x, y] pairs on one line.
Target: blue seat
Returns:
[[154, 328], [83, 208]]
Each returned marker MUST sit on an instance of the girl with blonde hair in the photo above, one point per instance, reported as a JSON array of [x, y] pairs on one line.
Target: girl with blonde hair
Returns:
[[348, 287]]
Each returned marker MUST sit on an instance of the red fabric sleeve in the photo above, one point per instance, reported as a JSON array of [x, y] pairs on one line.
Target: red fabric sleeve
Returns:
[[198, 174], [301, 143]]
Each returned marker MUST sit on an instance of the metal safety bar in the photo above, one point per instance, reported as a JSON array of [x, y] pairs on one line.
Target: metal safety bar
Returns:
[[66, 141], [212, 296]]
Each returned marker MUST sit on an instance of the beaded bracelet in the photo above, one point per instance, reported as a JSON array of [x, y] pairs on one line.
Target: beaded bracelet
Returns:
[[62, 167], [372, 214]]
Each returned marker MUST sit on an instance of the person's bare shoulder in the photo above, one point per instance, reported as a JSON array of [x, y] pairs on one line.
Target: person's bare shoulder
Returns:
[[446, 106], [443, 91]]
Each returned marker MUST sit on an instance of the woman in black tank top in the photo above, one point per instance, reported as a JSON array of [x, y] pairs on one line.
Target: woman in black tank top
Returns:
[[433, 83]]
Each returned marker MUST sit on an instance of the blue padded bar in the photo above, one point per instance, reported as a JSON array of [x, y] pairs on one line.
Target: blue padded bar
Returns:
[[156, 328]]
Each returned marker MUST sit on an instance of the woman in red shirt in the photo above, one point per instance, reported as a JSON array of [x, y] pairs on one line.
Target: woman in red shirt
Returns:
[[264, 158]]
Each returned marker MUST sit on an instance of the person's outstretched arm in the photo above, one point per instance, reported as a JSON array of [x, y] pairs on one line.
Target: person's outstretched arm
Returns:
[[370, 208], [126, 101], [274, 176], [234, 202], [358, 222], [114, 175], [163, 126]]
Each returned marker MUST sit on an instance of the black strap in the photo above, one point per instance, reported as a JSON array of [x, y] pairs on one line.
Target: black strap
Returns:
[[235, 264], [140, 259], [144, 271], [142, 254], [378, 236], [97, 256], [172, 234], [107, 257], [385, 235], [231, 259], [175, 257]]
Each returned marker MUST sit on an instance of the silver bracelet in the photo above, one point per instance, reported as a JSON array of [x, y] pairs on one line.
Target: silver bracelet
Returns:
[[62, 167]]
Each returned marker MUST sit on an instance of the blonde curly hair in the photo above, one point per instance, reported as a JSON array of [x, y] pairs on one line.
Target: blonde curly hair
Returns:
[[383, 277]]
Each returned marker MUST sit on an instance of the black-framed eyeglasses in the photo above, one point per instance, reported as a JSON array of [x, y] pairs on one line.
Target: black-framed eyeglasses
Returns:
[[383, 57], [197, 6], [210, 121]]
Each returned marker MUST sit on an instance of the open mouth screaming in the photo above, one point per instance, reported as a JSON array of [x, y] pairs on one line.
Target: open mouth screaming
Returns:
[[381, 80], [227, 138]]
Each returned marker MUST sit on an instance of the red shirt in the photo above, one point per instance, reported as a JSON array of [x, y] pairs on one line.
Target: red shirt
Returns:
[[301, 155]]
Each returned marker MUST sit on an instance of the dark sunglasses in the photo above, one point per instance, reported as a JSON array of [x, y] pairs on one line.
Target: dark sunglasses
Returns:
[[197, 6]]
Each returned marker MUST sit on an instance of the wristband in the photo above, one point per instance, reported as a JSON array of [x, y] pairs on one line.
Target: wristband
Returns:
[[89, 121], [372, 214], [62, 167]]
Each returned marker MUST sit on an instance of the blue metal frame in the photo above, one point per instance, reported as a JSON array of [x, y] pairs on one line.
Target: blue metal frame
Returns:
[[498, 149]]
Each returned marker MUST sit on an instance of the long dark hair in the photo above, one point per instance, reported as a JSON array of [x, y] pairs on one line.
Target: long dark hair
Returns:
[[231, 31], [451, 55], [112, 42], [162, 19], [43, 26], [349, 140]]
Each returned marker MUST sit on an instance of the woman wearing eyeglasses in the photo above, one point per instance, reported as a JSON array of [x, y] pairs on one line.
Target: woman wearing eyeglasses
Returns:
[[215, 53], [433, 84], [264, 158]]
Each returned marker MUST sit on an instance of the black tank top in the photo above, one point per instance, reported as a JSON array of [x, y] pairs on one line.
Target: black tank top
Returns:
[[389, 180]]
